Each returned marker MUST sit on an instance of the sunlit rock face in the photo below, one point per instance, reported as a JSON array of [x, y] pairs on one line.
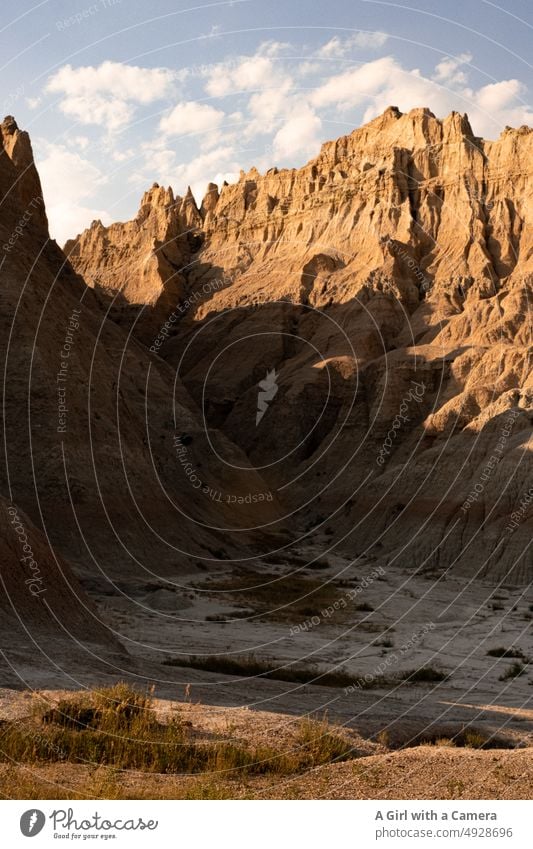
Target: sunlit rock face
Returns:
[[389, 277]]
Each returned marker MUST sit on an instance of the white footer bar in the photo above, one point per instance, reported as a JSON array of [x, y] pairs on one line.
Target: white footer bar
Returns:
[[268, 824]]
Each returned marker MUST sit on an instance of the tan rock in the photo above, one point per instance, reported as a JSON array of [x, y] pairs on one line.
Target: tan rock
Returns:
[[405, 248]]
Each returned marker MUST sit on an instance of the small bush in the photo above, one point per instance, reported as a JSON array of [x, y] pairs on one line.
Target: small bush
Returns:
[[424, 675], [510, 652], [466, 737], [383, 737], [474, 739], [316, 743], [513, 671]]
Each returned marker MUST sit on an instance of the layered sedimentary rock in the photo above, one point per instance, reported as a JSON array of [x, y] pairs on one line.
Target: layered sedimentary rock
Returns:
[[104, 450], [142, 262], [387, 285]]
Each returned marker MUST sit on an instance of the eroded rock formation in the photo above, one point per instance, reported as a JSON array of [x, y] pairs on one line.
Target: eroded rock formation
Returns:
[[400, 257], [105, 453]]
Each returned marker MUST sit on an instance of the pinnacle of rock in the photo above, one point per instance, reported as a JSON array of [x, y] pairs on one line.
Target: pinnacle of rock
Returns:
[[410, 242]]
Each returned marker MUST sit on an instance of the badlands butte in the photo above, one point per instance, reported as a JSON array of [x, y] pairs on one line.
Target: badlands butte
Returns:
[[388, 277], [297, 415]]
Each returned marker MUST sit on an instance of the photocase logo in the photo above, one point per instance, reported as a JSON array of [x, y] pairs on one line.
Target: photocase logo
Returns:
[[268, 389], [32, 822]]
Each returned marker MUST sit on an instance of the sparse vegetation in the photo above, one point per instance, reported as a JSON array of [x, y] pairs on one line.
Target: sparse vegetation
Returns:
[[513, 671], [383, 738], [274, 597], [118, 728], [468, 738], [444, 742], [320, 744], [249, 666], [510, 652], [473, 739], [424, 675]]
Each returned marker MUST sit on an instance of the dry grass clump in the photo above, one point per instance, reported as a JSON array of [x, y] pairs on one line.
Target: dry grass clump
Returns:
[[249, 666], [513, 652], [118, 728], [468, 738], [513, 671], [424, 675]]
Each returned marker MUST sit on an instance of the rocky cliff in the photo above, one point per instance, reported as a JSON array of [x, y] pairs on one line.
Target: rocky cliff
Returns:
[[105, 453], [386, 284]]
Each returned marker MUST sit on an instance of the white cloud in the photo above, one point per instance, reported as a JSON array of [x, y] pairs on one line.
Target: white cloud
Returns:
[[300, 135], [497, 96], [68, 180], [273, 48], [221, 163], [67, 220], [191, 117], [122, 155], [338, 47], [274, 116], [107, 94], [81, 142], [352, 87], [382, 82], [214, 32], [199, 171], [264, 80], [266, 109], [306, 69], [253, 72], [448, 69]]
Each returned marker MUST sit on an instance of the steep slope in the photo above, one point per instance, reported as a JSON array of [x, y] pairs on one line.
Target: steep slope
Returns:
[[384, 291], [100, 440], [47, 621]]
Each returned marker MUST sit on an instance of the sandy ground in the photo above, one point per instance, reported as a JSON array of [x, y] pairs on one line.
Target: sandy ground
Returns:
[[422, 773], [444, 621], [409, 621]]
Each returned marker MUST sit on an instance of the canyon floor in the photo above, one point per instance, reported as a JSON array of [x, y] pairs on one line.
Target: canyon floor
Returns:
[[382, 647], [468, 735], [374, 771], [398, 623]]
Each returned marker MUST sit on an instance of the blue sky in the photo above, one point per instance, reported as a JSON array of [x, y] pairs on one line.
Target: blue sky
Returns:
[[118, 94]]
